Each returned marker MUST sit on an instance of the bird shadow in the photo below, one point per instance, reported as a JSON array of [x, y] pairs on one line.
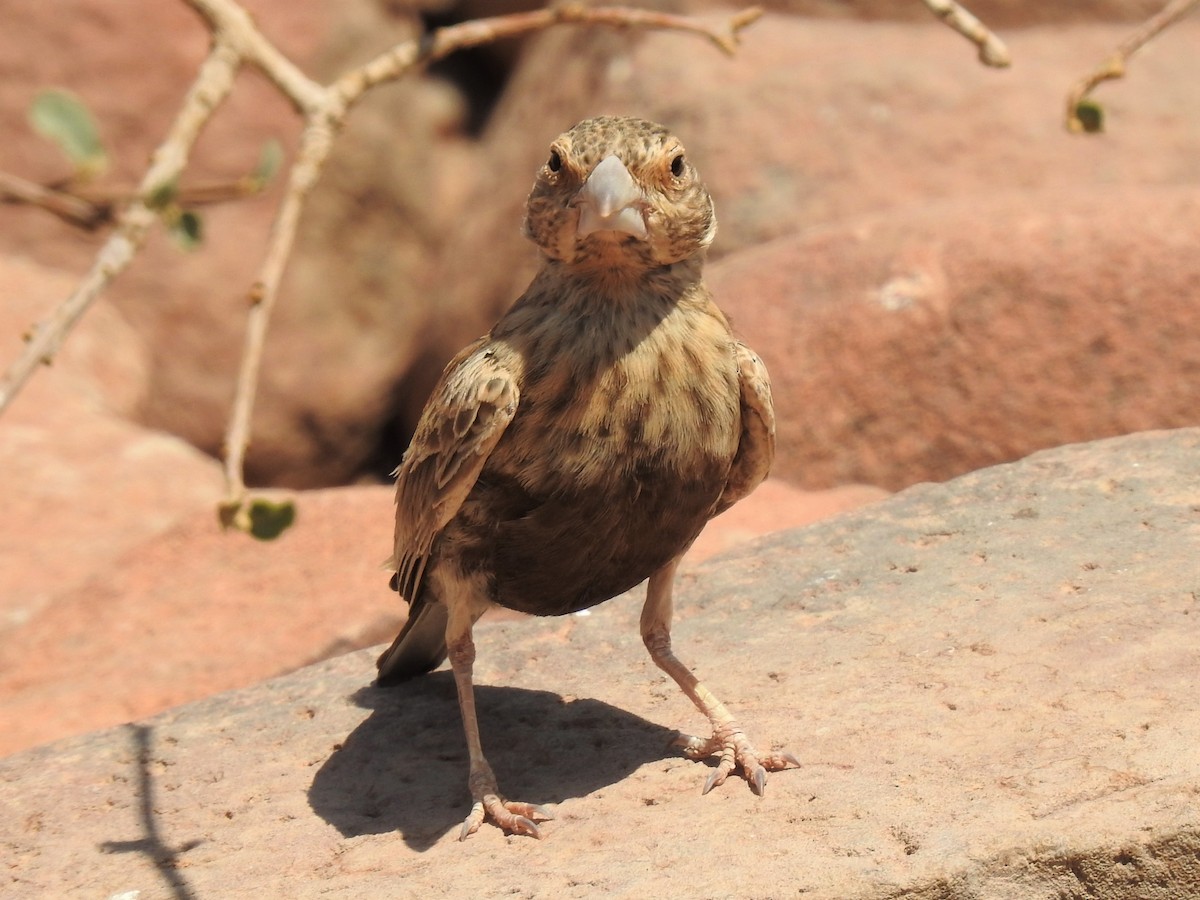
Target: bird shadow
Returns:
[[404, 769]]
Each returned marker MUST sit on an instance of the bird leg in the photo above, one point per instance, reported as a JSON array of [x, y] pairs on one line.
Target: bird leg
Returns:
[[519, 818], [728, 740]]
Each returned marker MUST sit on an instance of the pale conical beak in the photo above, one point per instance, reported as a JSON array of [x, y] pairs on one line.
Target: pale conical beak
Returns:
[[610, 200]]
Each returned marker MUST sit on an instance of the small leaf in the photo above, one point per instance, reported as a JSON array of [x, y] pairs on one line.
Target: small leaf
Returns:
[[62, 117], [260, 518], [163, 195], [269, 519], [269, 161], [1090, 116], [187, 229]]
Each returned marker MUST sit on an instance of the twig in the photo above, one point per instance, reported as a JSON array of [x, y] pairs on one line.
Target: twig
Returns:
[[315, 144], [992, 51], [325, 111], [90, 208], [212, 85], [1114, 67], [70, 208], [403, 57], [237, 40]]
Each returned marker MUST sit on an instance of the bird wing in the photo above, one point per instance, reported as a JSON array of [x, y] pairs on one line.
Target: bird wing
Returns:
[[756, 449], [469, 410]]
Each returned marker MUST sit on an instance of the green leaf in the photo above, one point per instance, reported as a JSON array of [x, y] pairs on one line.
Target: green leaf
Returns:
[[187, 229], [62, 117], [269, 519], [163, 196], [261, 519], [1090, 116], [269, 161]]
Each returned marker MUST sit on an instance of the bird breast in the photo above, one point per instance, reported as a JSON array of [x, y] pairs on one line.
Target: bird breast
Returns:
[[602, 401], [616, 458]]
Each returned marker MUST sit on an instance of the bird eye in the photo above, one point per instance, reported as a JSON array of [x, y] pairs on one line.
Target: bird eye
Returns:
[[554, 163], [677, 165]]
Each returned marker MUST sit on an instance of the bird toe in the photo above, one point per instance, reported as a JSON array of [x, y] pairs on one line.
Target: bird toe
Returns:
[[511, 816], [736, 752]]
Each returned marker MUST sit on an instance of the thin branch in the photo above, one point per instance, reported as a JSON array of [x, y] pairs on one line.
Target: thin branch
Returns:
[[325, 113], [1114, 67], [405, 56], [212, 85], [229, 22], [992, 51], [315, 143], [92, 207], [205, 193], [72, 209], [237, 40]]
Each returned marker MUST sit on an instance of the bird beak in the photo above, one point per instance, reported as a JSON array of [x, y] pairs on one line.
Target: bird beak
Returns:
[[610, 200]]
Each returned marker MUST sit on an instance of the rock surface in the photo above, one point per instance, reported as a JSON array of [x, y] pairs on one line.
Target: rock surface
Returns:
[[185, 611], [81, 485], [990, 684], [908, 346]]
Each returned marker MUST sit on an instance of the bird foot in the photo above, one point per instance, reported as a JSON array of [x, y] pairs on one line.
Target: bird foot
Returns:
[[512, 816], [730, 743]]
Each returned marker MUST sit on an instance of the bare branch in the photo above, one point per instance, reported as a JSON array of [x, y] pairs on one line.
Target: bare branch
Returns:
[[1114, 67], [237, 40], [992, 51], [70, 208], [211, 87], [230, 23], [315, 144], [404, 57], [92, 207]]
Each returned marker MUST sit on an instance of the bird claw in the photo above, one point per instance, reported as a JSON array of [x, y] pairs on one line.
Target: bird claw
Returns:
[[717, 776], [759, 782], [735, 751], [512, 816]]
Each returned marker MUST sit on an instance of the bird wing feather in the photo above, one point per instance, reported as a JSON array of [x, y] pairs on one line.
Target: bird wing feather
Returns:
[[756, 448], [470, 408]]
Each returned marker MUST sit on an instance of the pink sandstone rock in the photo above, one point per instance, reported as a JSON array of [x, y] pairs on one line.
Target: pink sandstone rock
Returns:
[[990, 685], [193, 611]]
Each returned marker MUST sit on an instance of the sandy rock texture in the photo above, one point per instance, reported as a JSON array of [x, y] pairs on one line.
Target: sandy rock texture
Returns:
[[989, 682], [81, 484], [156, 617], [905, 346]]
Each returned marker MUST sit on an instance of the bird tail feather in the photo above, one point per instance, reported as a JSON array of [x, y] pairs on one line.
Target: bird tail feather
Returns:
[[420, 646]]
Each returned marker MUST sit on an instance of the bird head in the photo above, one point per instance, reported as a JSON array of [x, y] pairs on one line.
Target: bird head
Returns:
[[619, 193]]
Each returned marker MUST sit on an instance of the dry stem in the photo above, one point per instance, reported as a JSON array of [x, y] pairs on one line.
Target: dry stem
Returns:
[[92, 207], [992, 51], [237, 40], [1114, 66], [211, 87]]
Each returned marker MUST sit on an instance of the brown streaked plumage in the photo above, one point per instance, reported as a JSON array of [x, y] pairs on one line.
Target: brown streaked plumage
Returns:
[[580, 447]]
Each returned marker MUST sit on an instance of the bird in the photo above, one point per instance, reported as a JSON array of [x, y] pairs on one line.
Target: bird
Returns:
[[579, 447]]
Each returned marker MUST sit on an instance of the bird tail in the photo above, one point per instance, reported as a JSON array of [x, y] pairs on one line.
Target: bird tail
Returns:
[[420, 646]]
